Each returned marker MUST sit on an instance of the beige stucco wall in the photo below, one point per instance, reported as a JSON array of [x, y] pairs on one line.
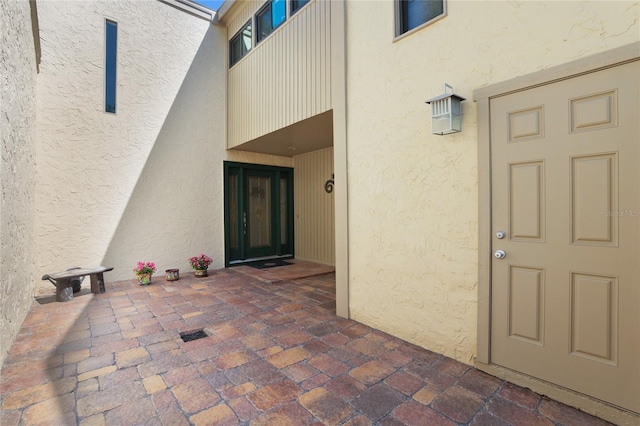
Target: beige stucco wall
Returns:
[[135, 185], [413, 200], [147, 182], [17, 169]]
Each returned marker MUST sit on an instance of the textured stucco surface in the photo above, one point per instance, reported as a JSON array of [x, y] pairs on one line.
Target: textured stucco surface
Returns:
[[17, 169], [413, 224], [135, 185], [147, 182]]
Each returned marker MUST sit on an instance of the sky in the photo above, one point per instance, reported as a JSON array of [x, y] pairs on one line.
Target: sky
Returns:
[[211, 4]]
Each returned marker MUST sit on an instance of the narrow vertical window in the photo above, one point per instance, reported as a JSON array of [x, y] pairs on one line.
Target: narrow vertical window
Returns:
[[110, 60]]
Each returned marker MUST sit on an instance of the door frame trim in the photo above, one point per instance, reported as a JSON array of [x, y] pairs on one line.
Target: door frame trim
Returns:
[[482, 97], [226, 219]]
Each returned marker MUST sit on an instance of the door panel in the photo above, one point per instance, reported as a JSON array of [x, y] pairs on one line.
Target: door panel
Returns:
[[259, 215], [286, 217], [594, 317], [526, 304], [258, 211], [566, 190], [527, 201], [234, 214], [594, 190]]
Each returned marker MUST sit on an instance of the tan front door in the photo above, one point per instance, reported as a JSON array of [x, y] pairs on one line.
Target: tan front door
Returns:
[[566, 193]]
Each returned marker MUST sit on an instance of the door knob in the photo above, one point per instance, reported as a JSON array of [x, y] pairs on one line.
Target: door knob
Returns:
[[500, 254], [500, 235]]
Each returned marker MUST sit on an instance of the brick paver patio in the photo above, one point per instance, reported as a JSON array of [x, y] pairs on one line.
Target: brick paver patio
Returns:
[[275, 355]]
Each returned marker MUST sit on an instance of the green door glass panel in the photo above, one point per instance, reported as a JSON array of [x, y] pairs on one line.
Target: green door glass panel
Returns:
[[284, 212], [234, 237], [234, 226]]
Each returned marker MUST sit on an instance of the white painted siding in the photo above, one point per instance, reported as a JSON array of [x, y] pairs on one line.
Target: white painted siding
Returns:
[[314, 208], [286, 78], [17, 169]]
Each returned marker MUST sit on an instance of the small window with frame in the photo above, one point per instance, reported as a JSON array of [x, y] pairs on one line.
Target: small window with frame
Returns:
[[270, 17], [240, 44], [296, 5], [413, 14]]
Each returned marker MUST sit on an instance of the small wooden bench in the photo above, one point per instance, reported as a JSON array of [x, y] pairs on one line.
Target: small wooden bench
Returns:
[[64, 284]]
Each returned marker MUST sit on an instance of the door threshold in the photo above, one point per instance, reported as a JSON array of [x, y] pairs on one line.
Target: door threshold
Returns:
[[595, 407], [257, 259]]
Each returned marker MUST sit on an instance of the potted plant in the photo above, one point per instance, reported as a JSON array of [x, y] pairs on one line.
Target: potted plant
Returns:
[[143, 271], [200, 264]]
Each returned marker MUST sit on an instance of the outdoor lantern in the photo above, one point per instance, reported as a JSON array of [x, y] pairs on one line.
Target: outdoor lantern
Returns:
[[446, 112]]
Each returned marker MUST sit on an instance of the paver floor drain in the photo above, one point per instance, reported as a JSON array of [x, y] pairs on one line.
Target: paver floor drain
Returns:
[[188, 336]]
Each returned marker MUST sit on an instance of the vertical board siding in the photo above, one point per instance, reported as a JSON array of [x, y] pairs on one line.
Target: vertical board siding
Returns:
[[314, 208], [284, 79], [241, 16]]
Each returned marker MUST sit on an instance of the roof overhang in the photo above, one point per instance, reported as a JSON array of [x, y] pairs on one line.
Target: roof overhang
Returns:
[[192, 8], [224, 8], [305, 136]]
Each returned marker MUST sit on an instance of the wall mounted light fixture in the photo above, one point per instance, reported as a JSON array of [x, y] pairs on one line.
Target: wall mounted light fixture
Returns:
[[446, 112]]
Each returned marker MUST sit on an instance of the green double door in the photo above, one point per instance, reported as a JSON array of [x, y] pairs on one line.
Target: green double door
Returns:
[[258, 212]]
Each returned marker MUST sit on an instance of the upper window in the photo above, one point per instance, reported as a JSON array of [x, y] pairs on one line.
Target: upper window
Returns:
[[414, 13], [240, 44], [110, 61], [297, 5], [269, 18]]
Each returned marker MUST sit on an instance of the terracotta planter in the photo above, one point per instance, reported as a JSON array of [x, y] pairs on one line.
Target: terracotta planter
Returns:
[[201, 273]]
